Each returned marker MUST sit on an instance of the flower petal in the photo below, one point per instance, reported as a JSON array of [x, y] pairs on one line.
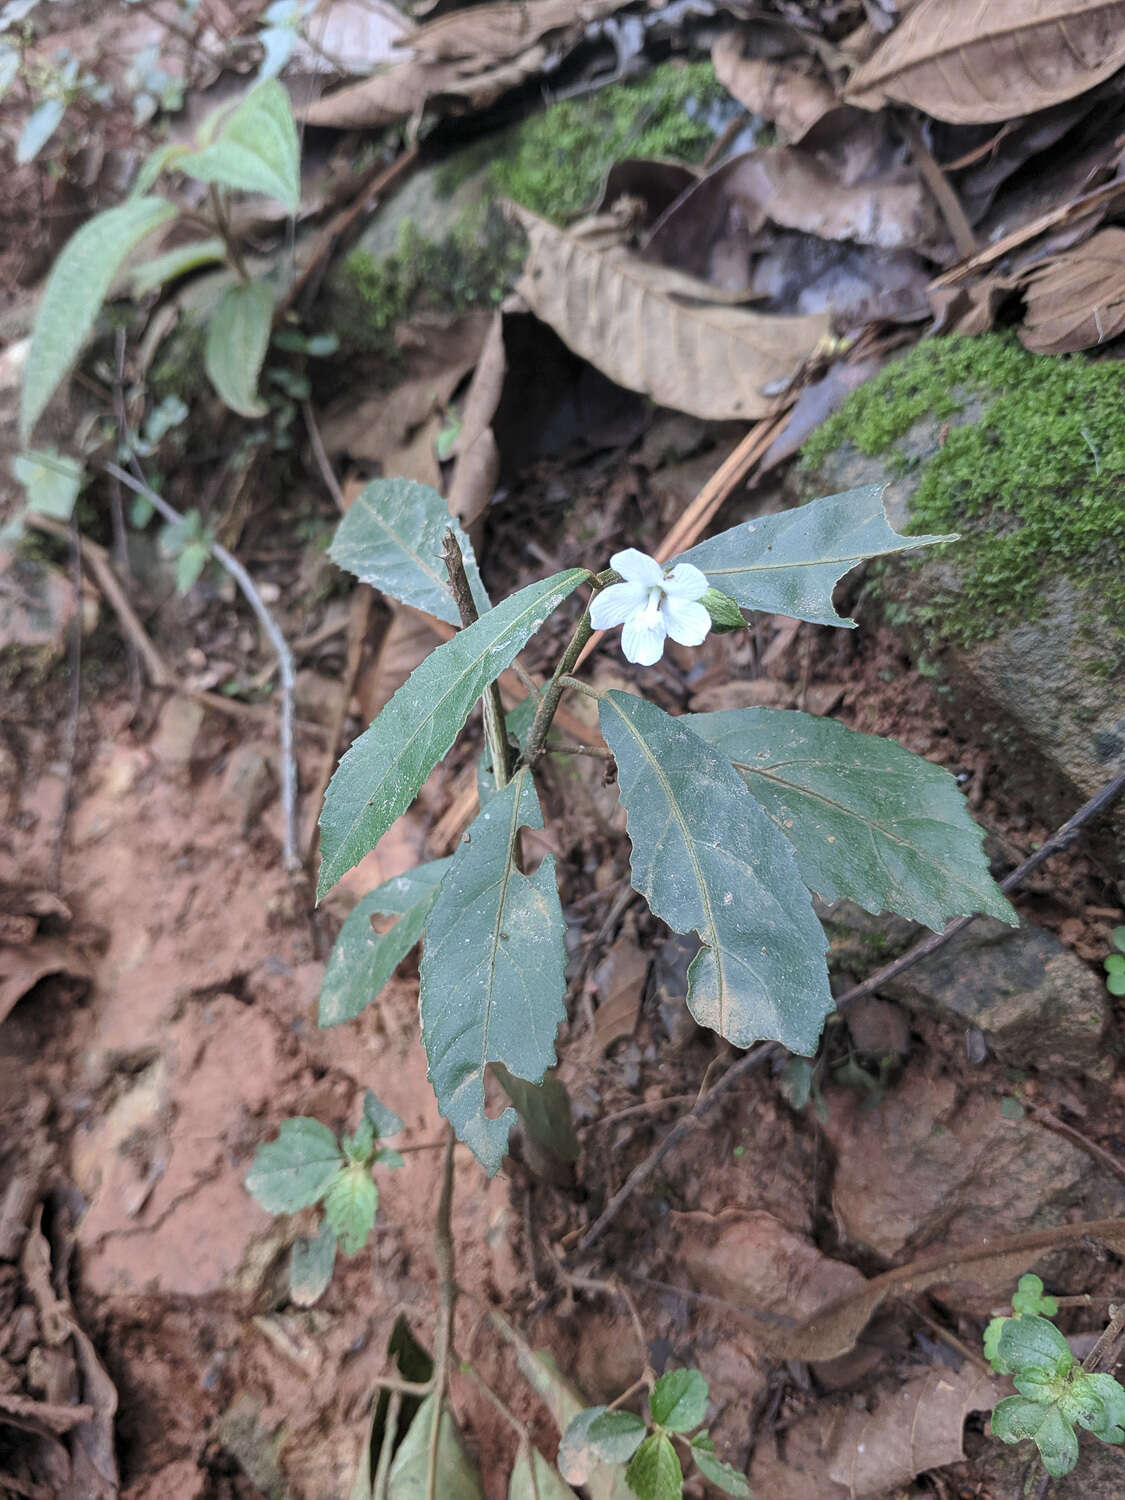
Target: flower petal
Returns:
[[642, 640], [685, 581], [685, 621], [615, 604], [638, 567]]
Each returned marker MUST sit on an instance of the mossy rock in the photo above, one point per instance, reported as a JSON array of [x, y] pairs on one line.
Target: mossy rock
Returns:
[[1022, 621]]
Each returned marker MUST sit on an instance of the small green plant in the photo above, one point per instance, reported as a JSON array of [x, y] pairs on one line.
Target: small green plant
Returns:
[[1056, 1394], [1115, 964], [677, 1406], [307, 1165]]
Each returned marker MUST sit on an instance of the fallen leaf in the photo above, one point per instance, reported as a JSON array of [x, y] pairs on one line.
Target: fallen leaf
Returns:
[[969, 63], [655, 184], [638, 324], [477, 466], [620, 978], [918, 1427], [502, 30], [793, 99], [409, 639], [42, 1417], [1077, 300]]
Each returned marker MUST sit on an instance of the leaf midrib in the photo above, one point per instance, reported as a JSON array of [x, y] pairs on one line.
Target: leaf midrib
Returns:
[[415, 557]]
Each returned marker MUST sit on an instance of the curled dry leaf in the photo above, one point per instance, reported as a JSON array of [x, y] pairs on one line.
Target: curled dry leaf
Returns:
[[972, 63], [405, 90], [1077, 300], [491, 33], [638, 324], [794, 100]]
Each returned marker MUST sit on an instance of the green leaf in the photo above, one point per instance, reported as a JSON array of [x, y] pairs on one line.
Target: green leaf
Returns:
[[52, 481], [79, 282], [1115, 983], [654, 1471], [544, 1109], [456, 1477], [359, 1146], [796, 1082], [725, 613], [533, 1478], [722, 1475], [295, 1170], [190, 564], [173, 263], [238, 335], [1033, 1344], [789, 564], [363, 960], [41, 125], [1029, 1301], [869, 820], [382, 772], [310, 1266], [705, 856], [679, 1400], [492, 982], [1097, 1402], [391, 538], [349, 1206], [992, 1343], [256, 150], [1118, 936], [384, 1121], [1016, 1418], [614, 1436]]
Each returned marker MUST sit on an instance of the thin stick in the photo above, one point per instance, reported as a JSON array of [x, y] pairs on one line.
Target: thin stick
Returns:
[[939, 185], [386, 1451], [358, 620], [1061, 839], [327, 473], [285, 669], [491, 705], [71, 746], [447, 1302]]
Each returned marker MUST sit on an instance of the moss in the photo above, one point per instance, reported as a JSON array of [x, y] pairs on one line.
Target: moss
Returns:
[[475, 265], [555, 162], [1033, 485]]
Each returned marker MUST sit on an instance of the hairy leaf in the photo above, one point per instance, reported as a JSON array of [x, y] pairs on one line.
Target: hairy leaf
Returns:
[[155, 272], [382, 772], [310, 1266], [969, 63], [533, 1478], [1017, 1418], [1032, 1344], [679, 1400], [660, 332], [722, 1475], [614, 1436], [238, 335], [706, 857], [256, 149], [456, 1477], [363, 960], [868, 820], [1097, 1402], [78, 284], [654, 1471], [790, 563], [391, 538], [492, 985], [295, 1170], [350, 1205]]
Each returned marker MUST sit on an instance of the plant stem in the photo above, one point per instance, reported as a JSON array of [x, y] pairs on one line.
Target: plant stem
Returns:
[[549, 702], [491, 705], [222, 224], [447, 1302]]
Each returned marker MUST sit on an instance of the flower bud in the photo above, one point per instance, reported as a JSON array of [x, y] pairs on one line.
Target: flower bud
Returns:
[[725, 613]]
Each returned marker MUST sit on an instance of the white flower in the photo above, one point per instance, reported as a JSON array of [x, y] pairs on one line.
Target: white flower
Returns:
[[652, 604]]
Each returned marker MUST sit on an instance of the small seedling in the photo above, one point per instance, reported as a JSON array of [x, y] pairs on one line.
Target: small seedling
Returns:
[[1115, 964], [1055, 1393], [307, 1165], [677, 1405]]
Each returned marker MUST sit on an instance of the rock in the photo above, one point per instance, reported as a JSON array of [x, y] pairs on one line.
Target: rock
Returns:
[[256, 1447], [878, 1029], [248, 785], [1036, 1003], [924, 1166], [176, 743]]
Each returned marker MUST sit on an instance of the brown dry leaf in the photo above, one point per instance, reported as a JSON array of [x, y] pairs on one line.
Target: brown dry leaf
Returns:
[[834, 1330], [409, 639], [405, 90], [919, 1427], [43, 1417], [1077, 300], [620, 978], [632, 321], [477, 466], [794, 100], [972, 63], [494, 32]]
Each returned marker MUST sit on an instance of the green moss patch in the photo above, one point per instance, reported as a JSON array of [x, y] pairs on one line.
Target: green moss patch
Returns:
[[1035, 486]]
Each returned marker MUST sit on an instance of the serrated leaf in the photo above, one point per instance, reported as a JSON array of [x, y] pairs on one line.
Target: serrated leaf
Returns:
[[295, 1170], [310, 1266], [384, 1121], [544, 1109], [614, 1436], [391, 538], [533, 1478], [78, 284], [707, 858], [173, 263], [382, 772], [238, 335], [654, 1471], [790, 563], [1027, 1344], [41, 125], [456, 1477], [349, 1206], [1016, 1418], [362, 960], [868, 820], [1097, 1402], [256, 149], [722, 1475], [51, 480], [679, 1400], [492, 973]]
